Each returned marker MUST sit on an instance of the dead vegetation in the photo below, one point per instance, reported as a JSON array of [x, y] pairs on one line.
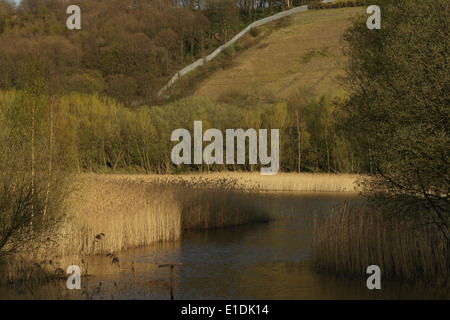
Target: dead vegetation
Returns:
[[355, 236]]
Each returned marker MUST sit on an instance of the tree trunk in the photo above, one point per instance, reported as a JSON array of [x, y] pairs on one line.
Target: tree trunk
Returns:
[[203, 46], [181, 54], [328, 156], [299, 145], [192, 49], [33, 157], [50, 150], [104, 153]]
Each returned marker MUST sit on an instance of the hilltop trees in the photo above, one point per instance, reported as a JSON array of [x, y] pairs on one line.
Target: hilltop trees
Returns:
[[125, 49], [398, 110]]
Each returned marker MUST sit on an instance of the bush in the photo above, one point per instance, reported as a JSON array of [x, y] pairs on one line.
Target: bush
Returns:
[[254, 32], [228, 51], [34, 164]]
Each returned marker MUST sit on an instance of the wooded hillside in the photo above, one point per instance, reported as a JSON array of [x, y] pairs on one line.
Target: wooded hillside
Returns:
[[126, 49]]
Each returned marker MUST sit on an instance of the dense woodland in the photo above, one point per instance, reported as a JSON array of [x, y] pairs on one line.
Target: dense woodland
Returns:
[[98, 134], [102, 82], [126, 49]]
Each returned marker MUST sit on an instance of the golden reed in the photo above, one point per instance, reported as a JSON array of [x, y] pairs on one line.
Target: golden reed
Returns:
[[353, 236], [110, 213]]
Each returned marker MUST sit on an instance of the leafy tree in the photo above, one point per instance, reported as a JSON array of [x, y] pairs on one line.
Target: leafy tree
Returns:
[[6, 13], [34, 171], [398, 110]]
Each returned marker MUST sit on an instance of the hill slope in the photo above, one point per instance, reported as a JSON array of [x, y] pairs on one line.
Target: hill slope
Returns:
[[305, 53]]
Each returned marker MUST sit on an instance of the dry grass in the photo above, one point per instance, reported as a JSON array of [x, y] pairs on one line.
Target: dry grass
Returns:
[[302, 182], [138, 212], [113, 213], [110, 213], [128, 214], [284, 61], [352, 237], [314, 182], [205, 209]]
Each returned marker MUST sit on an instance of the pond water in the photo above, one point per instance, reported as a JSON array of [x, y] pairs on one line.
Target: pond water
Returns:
[[254, 261]]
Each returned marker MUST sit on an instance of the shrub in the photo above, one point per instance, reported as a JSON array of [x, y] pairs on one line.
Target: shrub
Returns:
[[254, 32]]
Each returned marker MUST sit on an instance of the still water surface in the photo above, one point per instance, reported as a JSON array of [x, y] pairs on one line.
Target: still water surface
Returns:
[[254, 261]]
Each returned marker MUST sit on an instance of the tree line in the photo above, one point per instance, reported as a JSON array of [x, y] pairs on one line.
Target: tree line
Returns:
[[101, 135]]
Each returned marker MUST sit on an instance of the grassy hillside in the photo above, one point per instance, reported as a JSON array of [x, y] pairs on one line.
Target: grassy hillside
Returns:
[[304, 51]]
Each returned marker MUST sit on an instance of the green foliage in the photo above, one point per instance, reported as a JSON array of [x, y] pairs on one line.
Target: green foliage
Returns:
[[34, 163], [107, 74], [398, 109], [98, 134]]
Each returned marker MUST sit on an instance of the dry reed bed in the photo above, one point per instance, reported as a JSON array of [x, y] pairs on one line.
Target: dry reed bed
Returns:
[[115, 212], [314, 182], [210, 209], [352, 237], [110, 213]]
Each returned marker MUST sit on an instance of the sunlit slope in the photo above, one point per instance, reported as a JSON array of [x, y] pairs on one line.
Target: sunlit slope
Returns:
[[306, 53]]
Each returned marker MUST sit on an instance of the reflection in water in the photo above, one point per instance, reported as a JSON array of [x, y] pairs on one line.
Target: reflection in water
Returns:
[[254, 261]]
